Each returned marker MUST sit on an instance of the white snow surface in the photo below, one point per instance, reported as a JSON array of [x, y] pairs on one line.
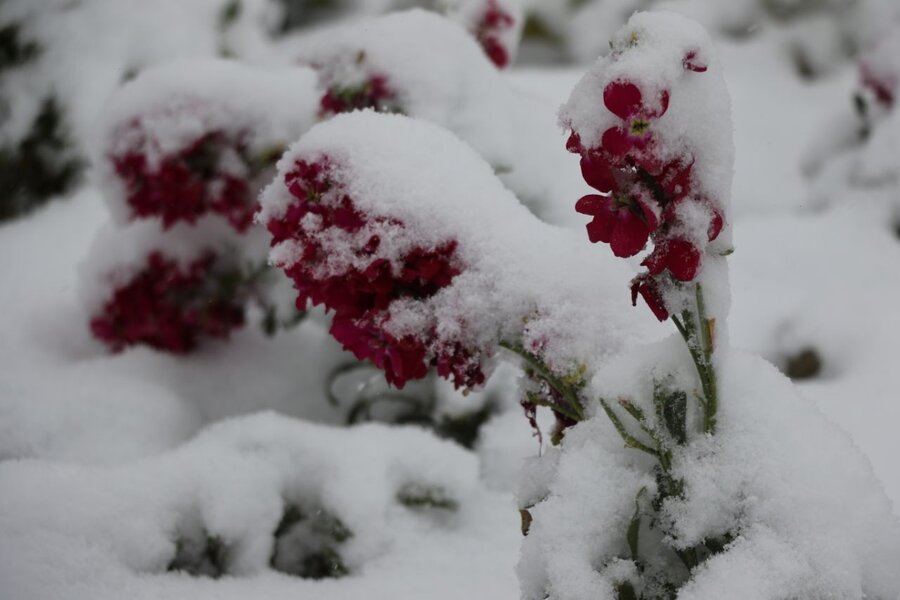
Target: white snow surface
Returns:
[[233, 482]]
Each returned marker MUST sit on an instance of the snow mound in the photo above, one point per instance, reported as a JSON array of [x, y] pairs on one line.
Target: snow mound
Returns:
[[804, 515], [247, 494]]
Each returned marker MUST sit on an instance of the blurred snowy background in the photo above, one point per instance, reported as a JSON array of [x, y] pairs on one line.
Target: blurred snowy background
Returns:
[[144, 474]]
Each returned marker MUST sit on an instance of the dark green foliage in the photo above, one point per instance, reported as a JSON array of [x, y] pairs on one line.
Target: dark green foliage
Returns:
[[14, 50], [415, 495], [307, 544], [348, 385], [205, 556], [302, 13], [40, 166], [464, 429]]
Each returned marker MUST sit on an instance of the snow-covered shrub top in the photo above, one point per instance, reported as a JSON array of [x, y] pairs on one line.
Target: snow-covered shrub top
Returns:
[[240, 494], [496, 24], [425, 258], [183, 152], [880, 68], [858, 151], [424, 65], [817, 36], [168, 288], [787, 499], [192, 137], [650, 121]]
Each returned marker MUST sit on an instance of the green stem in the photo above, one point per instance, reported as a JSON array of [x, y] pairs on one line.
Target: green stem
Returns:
[[552, 380], [700, 348], [535, 399], [712, 399], [630, 440]]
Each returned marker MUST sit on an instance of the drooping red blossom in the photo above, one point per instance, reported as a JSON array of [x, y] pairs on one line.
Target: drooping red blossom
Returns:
[[625, 222], [647, 288], [374, 93], [488, 31], [679, 256], [598, 172], [361, 293], [461, 365], [171, 307], [691, 62], [402, 359], [882, 85], [187, 185]]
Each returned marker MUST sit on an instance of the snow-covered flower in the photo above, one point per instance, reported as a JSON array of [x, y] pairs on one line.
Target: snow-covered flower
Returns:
[[170, 306]]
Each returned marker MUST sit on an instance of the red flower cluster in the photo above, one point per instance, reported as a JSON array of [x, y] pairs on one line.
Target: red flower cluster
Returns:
[[169, 307], [488, 29], [360, 296], [187, 185], [641, 193], [374, 93]]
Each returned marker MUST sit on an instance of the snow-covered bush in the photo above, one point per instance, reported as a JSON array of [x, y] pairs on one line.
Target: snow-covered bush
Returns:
[[59, 61], [728, 484], [181, 160], [371, 215], [854, 159], [245, 497], [815, 35], [678, 468], [495, 24], [37, 161], [448, 81]]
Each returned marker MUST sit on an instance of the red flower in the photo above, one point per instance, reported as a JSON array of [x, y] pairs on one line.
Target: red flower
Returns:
[[361, 294], [679, 256], [375, 93], [187, 185], [692, 63], [633, 138], [169, 307], [488, 30], [401, 359], [648, 289], [622, 221], [597, 171]]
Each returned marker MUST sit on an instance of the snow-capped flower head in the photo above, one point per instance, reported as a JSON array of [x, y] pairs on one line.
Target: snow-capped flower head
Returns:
[[171, 306], [183, 141], [210, 175], [644, 120], [879, 68], [373, 92], [426, 260], [359, 265], [495, 24]]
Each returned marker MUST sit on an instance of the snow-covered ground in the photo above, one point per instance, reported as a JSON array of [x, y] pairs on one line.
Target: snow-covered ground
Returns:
[[112, 463]]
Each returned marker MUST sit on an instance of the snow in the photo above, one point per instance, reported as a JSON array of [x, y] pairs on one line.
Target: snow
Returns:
[[107, 460], [773, 452]]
